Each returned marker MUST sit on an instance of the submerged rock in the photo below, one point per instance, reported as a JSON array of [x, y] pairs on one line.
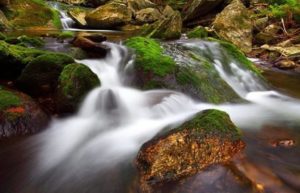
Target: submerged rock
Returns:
[[75, 81], [109, 16], [40, 76], [234, 25], [209, 138], [19, 114]]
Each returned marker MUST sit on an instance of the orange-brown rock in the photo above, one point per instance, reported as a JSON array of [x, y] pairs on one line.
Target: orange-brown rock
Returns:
[[209, 138]]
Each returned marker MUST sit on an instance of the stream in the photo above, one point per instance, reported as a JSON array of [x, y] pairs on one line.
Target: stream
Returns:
[[93, 150]]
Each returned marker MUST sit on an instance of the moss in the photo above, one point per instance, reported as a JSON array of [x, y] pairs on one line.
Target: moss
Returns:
[[75, 81], [25, 41], [40, 14], [43, 70], [238, 55], [56, 19], [8, 99], [14, 58], [150, 57], [212, 122], [2, 36], [197, 32]]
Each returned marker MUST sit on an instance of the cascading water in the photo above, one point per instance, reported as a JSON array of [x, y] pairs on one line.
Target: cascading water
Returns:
[[81, 153]]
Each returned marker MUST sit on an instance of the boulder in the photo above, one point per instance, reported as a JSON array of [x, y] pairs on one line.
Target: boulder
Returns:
[[194, 74], [40, 76], [19, 114], [148, 15], [285, 64], [109, 16], [209, 138], [168, 27], [14, 58], [195, 8], [234, 25], [75, 81]]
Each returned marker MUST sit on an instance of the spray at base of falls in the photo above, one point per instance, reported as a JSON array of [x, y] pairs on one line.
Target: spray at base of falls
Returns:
[[115, 120]]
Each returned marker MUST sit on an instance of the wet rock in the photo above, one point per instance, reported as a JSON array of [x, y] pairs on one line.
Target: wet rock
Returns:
[[234, 25], [40, 76], [193, 74], [196, 8], [19, 114], [75, 81], [209, 138], [92, 44], [148, 15], [166, 28], [109, 16], [284, 143], [285, 51], [73, 2], [285, 64]]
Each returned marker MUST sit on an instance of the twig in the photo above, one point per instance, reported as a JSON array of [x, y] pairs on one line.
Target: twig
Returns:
[[283, 25]]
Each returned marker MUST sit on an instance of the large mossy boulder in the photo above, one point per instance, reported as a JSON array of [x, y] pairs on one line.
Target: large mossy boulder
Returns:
[[234, 25], [75, 81], [195, 8], [192, 73], [14, 58], [19, 114], [40, 16], [40, 76], [209, 138], [109, 16]]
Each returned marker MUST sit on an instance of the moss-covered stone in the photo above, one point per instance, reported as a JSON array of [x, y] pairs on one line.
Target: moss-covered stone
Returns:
[[25, 41], [75, 81], [14, 58], [39, 15], [19, 114], [41, 75], [150, 57], [197, 32], [208, 138]]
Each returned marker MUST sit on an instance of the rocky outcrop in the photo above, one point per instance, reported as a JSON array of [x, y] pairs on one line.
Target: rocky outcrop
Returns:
[[209, 138], [196, 8], [234, 25], [109, 16], [75, 81], [19, 114], [147, 15]]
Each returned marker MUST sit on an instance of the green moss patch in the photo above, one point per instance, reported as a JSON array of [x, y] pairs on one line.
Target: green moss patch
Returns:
[[197, 32], [8, 99], [212, 121], [150, 56]]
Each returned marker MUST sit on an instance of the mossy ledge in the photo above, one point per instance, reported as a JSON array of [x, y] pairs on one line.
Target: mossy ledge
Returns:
[[8, 99], [150, 56]]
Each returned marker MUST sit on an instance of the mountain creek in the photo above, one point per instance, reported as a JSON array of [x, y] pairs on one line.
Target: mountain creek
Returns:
[[112, 98]]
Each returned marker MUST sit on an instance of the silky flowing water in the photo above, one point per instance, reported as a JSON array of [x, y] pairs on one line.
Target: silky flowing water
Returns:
[[93, 151]]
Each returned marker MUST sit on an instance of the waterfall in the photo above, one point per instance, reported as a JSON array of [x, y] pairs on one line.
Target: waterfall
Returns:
[[114, 120]]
